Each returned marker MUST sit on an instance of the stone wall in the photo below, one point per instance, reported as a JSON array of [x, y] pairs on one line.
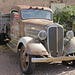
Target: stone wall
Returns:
[[5, 5], [69, 2]]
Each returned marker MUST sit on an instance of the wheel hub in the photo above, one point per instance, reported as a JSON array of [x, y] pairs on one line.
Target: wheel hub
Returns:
[[24, 60]]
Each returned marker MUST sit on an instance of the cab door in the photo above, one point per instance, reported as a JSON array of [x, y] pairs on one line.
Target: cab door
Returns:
[[14, 25]]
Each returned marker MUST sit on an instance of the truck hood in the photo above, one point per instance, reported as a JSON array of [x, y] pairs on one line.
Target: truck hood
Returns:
[[33, 26], [38, 21]]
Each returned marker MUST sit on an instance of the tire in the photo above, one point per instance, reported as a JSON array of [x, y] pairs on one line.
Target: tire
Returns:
[[65, 62], [73, 62], [73, 65], [2, 39], [27, 67]]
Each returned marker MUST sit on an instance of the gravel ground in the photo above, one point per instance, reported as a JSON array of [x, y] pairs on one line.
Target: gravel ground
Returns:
[[9, 65]]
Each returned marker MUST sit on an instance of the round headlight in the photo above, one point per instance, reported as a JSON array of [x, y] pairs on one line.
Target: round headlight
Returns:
[[42, 35], [70, 34]]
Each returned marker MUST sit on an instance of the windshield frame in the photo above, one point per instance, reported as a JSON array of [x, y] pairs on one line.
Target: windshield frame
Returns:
[[37, 18]]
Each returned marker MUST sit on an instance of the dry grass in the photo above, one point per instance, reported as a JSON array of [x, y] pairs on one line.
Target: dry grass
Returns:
[[4, 47]]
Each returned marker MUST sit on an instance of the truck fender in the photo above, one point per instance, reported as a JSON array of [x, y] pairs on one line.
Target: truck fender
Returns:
[[70, 47], [23, 41], [32, 46], [36, 48]]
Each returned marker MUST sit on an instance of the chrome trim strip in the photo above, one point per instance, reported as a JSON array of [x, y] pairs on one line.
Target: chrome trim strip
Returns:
[[57, 38], [63, 40]]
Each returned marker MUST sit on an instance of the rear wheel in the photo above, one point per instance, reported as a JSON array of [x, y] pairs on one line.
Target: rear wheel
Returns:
[[25, 62], [2, 39]]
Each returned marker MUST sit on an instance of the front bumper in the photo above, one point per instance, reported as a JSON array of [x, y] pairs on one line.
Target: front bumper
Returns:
[[52, 59]]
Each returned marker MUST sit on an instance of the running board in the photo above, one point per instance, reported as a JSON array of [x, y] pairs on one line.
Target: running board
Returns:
[[52, 59], [12, 46]]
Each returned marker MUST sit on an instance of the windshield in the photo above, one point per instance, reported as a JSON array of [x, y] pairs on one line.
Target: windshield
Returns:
[[42, 14]]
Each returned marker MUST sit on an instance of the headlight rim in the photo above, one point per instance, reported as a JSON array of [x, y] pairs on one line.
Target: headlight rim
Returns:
[[41, 38], [70, 34]]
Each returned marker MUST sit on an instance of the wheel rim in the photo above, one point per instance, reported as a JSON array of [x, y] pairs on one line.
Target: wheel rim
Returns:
[[24, 59]]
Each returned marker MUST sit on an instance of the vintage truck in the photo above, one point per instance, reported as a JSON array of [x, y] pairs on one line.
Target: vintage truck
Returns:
[[35, 37]]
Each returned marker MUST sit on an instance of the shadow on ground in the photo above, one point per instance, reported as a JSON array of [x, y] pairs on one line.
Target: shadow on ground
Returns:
[[9, 65]]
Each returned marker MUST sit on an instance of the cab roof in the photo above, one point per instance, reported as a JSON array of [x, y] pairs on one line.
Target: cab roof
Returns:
[[28, 7]]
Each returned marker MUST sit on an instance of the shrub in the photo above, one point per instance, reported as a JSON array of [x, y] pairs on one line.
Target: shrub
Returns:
[[66, 17]]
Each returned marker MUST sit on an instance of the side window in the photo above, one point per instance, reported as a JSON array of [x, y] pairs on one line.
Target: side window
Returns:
[[15, 15]]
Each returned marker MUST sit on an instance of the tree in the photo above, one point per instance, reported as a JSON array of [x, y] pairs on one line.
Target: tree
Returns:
[[66, 17]]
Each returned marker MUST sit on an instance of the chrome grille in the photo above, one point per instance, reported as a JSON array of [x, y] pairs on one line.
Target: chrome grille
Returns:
[[55, 40]]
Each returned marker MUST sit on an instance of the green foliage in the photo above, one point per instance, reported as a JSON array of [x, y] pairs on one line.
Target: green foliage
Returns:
[[65, 17]]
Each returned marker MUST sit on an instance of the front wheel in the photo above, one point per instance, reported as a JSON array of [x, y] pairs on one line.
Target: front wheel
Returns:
[[25, 62]]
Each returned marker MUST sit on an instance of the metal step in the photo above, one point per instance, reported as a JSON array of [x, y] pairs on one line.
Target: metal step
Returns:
[[12, 46]]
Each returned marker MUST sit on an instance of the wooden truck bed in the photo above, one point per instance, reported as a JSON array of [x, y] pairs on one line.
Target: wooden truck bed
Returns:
[[4, 19]]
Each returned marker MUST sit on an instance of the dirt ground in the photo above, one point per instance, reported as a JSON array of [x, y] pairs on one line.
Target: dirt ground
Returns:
[[9, 65]]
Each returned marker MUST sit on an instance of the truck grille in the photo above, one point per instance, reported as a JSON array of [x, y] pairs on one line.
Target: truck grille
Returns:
[[55, 40]]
